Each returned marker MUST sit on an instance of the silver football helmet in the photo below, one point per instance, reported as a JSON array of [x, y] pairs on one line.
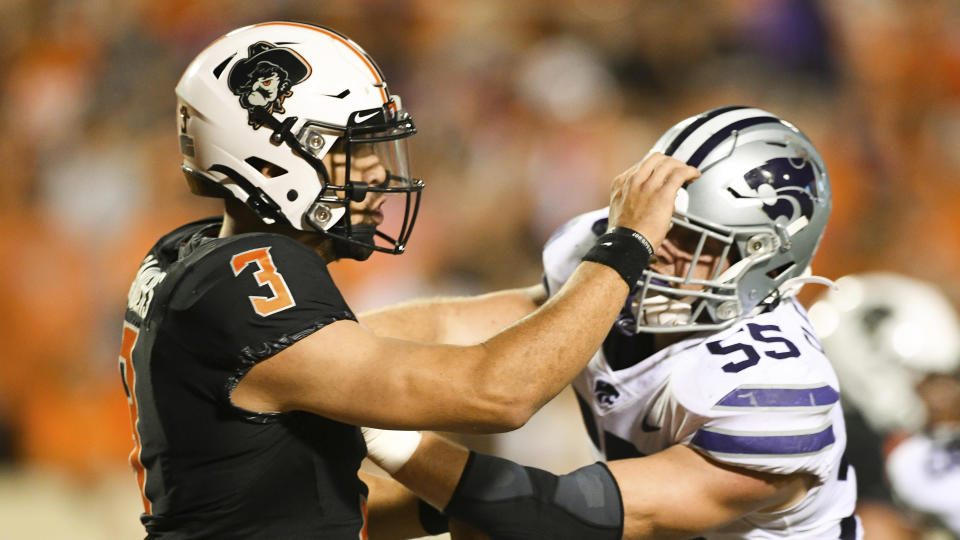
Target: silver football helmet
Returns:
[[760, 205], [883, 333], [260, 109]]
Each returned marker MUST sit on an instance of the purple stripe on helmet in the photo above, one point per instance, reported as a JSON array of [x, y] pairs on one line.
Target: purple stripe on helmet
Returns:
[[780, 397], [714, 141], [701, 120], [712, 441]]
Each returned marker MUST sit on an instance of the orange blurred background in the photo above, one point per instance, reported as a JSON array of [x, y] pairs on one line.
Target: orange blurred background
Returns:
[[526, 111]]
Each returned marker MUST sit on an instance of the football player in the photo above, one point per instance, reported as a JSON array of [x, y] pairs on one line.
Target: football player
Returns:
[[924, 469], [897, 337], [710, 398], [246, 371]]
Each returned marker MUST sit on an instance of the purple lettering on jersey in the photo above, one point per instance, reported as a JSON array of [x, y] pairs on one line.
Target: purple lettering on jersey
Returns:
[[780, 397], [724, 443]]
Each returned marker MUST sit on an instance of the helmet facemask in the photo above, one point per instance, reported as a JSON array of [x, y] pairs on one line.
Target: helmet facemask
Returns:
[[681, 301], [342, 146]]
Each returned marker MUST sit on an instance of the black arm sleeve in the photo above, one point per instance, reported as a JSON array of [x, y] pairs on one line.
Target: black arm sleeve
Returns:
[[512, 502]]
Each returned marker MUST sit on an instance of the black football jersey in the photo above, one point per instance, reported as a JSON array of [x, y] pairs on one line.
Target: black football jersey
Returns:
[[201, 312]]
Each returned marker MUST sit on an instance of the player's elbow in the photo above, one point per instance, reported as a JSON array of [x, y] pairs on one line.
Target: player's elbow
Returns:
[[496, 416], [498, 398], [515, 415], [505, 407]]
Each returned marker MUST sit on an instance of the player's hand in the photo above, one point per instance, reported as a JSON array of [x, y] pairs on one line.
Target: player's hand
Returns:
[[642, 197]]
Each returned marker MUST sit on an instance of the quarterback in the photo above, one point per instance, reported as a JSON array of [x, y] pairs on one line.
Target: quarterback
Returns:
[[246, 372], [710, 399]]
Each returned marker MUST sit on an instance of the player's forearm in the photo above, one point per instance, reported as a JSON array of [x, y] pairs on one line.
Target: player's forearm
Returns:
[[432, 472], [502, 498], [680, 493], [454, 320], [392, 509], [530, 362]]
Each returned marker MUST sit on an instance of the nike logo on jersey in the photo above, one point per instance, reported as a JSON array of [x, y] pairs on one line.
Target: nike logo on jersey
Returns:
[[646, 427]]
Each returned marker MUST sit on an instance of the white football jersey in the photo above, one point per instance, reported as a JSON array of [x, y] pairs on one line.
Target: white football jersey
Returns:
[[925, 474], [759, 395]]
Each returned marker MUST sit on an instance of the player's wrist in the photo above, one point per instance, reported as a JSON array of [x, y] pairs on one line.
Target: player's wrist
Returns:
[[390, 450], [623, 249]]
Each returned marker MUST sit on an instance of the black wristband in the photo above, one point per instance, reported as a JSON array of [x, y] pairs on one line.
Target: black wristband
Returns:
[[432, 520], [625, 250]]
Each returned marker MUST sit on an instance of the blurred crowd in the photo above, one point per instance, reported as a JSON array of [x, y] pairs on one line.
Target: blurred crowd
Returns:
[[526, 111]]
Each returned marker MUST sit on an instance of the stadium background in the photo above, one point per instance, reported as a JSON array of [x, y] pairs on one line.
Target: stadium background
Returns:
[[526, 110]]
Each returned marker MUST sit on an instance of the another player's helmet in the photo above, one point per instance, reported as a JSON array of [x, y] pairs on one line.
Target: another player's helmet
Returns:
[[259, 109], [763, 196], [883, 333]]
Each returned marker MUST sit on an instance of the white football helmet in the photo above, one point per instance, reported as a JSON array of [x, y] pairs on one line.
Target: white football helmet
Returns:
[[259, 109], [763, 197], [883, 333]]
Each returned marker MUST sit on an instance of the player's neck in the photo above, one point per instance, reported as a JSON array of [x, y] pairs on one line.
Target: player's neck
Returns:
[[239, 219]]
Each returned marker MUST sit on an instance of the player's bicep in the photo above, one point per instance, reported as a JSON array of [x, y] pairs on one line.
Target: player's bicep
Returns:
[[345, 372], [679, 493]]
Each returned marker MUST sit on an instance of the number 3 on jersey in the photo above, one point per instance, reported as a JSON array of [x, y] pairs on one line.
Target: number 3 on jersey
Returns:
[[266, 275]]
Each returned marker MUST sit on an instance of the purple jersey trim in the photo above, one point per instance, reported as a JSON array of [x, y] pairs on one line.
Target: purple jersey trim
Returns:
[[780, 397], [723, 443]]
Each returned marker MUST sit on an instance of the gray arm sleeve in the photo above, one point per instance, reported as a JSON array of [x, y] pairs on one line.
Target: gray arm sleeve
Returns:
[[512, 502]]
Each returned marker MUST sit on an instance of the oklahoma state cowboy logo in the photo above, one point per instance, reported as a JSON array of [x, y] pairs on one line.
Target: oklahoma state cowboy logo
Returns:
[[265, 77]]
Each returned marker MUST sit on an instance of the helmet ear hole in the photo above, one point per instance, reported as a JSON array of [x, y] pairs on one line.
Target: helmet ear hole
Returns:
[[773, 274], [204, 186], [266, 168]]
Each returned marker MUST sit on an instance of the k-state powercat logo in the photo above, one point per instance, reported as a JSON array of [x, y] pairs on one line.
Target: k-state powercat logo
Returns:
[[605, 393], [792, 181], [265, 77]]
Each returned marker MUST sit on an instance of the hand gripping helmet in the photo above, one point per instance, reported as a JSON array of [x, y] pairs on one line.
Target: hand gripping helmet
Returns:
[[763, 196], [260, 108], [883, 333]]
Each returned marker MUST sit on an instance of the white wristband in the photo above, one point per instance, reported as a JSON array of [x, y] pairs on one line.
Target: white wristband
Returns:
[[390, 449]]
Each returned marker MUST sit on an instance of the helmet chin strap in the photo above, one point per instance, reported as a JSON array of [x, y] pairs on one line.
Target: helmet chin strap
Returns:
[[346, 249], [791, 287], [661, 310]]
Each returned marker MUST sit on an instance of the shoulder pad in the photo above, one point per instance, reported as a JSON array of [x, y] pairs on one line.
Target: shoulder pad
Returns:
[[569, 244], [220, 263]]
